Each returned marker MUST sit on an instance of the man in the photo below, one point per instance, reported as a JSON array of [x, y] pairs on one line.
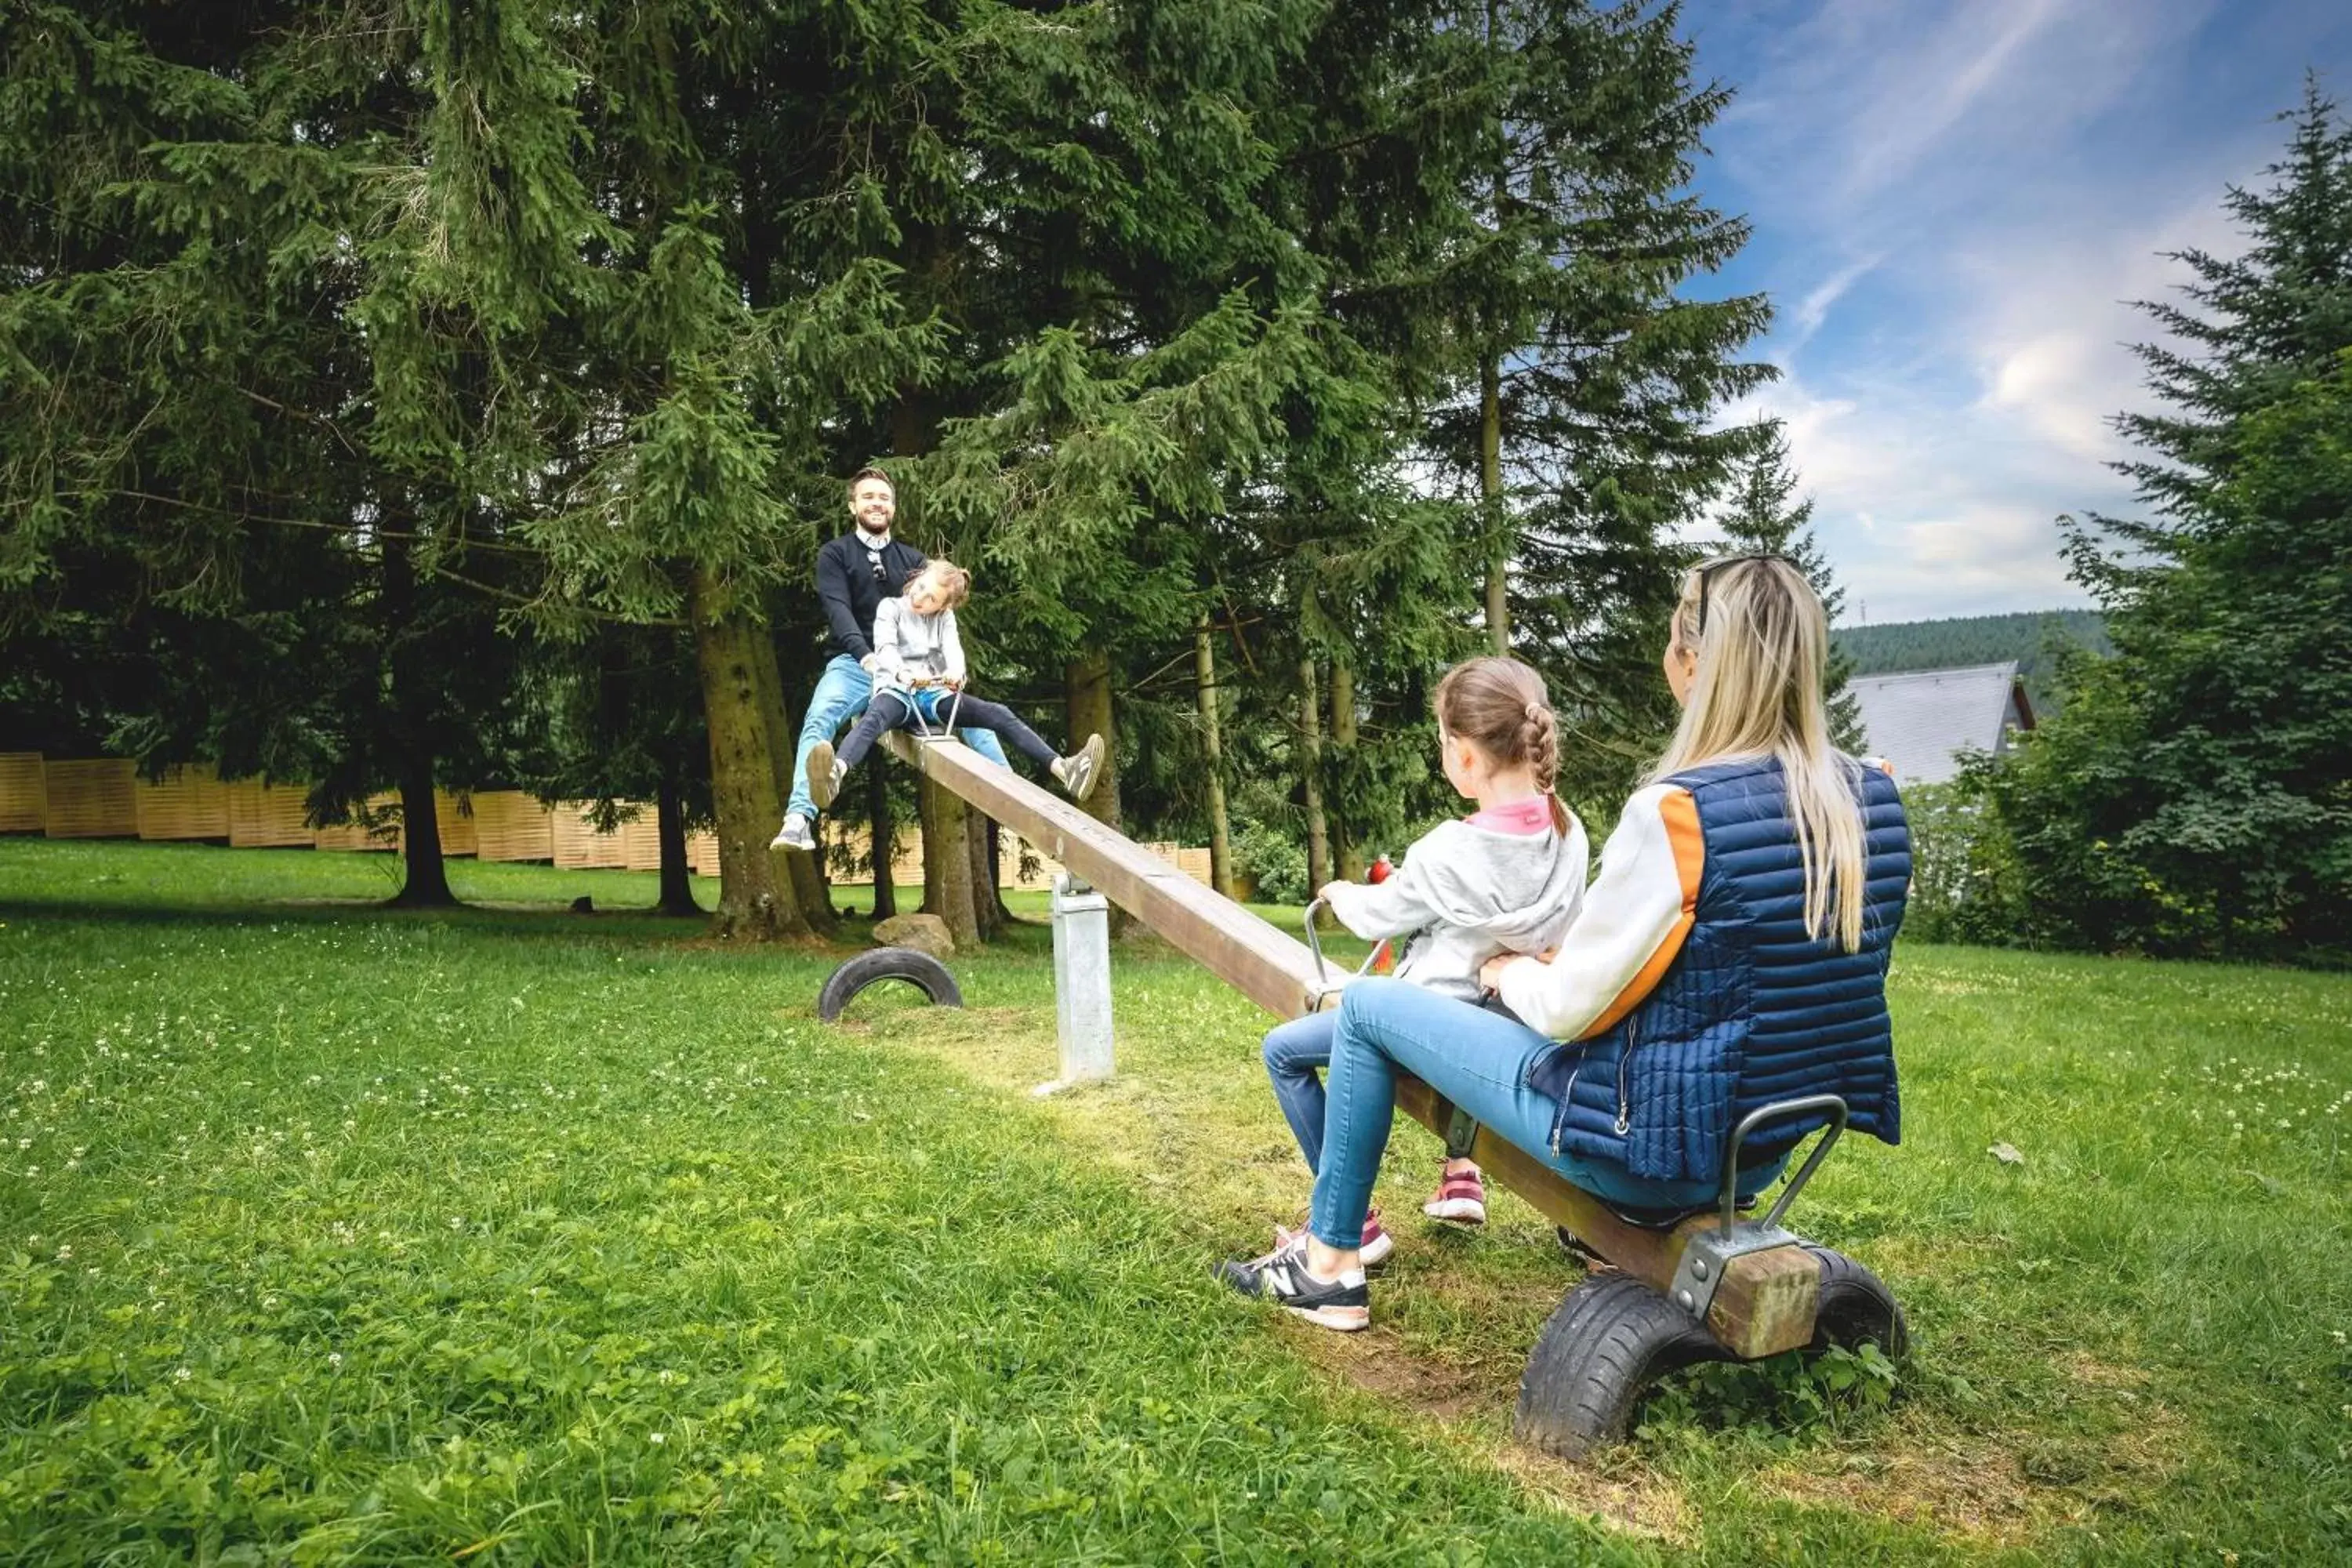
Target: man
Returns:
[[853, 574]]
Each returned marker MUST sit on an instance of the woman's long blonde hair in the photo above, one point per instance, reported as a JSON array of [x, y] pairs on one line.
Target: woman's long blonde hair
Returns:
[[1762, 644]]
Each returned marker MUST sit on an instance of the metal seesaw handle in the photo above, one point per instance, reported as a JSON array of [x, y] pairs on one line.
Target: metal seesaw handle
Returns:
[[1315, 946], [1315, 941], [1780, 1111]]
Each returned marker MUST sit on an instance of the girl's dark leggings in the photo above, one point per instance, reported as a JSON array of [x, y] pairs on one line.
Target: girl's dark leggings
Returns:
[[892, 711]]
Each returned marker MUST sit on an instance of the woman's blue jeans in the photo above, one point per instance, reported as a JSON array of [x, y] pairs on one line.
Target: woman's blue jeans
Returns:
[[842, 693], [1476, 1058], [1295, 1053]]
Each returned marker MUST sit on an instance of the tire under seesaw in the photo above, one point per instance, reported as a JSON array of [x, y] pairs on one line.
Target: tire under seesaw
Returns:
[[915, 967], [1615, 1334]]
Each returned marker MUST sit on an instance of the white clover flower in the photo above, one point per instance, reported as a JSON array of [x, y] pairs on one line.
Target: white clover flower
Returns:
[[334, 1358], [182, 1375]]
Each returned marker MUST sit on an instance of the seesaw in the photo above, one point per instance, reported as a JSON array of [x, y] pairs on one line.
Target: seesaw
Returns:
[[1707, 1284]]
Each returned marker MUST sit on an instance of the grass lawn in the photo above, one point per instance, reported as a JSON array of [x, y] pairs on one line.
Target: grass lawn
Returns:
[[334, 1234]]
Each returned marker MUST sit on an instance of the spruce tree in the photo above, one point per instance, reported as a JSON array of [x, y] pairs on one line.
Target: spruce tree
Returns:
[[2191, 795], [1763, 513], [1582, 426]]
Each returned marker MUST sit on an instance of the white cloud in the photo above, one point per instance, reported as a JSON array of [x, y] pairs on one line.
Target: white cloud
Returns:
[[1949, 396]]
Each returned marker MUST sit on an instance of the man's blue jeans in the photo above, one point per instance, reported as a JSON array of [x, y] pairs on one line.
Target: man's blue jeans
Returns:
[[842, 692], [1295, 1053], [1477, 1060]]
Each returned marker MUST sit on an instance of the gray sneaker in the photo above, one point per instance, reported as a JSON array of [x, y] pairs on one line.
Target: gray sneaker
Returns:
[[1079, 770], [824, 774], [795, 834]]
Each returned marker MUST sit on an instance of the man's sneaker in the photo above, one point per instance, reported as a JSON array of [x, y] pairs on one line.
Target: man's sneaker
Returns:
[[1374, 1248], [1461, 1198], [795, 834], [824, 774], [1281, 1277], [1078, 771]]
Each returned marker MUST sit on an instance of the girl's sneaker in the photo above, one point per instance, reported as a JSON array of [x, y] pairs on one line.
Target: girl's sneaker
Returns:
[[1374, 1248], [1281, 1277], [1078, 771], [1461, 1197], [824, 774]]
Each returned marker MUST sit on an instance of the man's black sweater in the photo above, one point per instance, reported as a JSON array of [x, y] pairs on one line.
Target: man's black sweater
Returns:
[[850, 589]]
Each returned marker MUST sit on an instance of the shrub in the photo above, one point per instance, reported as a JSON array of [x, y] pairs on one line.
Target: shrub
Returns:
[[1273, 860]]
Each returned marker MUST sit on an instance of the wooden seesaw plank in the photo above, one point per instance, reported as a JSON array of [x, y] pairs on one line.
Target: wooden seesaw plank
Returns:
[[1764, 1304], [1271, 969]]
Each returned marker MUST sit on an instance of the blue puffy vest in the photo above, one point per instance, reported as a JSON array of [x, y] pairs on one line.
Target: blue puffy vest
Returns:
[[1751, 1010]]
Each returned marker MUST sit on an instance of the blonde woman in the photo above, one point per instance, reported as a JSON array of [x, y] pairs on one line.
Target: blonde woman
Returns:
[[1731, 953]]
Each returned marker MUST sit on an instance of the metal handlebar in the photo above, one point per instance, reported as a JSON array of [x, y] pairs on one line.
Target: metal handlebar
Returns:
[[1315, 946], [1778, 1111], [923, 730]]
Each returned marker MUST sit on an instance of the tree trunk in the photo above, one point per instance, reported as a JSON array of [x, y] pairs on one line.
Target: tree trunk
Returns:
[[754, 901], [1344, 837], [1310, 755], [804, 875], [1086, 711], [427, 885], [669, 832], [946, 864], [987, 910], [1490, 495], [882, 840], [1212, 752]]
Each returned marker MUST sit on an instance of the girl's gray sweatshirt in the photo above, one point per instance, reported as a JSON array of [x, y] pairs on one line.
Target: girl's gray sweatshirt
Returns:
[[1469, 893]]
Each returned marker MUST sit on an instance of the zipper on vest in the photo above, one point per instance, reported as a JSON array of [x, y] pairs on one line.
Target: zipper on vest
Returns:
[[1566, 1100], [1624, 1067]]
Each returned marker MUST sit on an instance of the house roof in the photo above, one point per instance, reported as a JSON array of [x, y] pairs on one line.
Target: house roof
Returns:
[[1921, 720]]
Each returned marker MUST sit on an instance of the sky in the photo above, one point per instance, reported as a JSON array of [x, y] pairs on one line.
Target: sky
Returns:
[[1954, 203]]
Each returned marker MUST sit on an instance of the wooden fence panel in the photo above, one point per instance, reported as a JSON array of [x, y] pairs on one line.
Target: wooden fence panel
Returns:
[[641, 841], [454, 816], [268, 816], [352, 836], [578, 846], [96, 798], [24, 792], [185, 803], [508, 824], [702, 854]]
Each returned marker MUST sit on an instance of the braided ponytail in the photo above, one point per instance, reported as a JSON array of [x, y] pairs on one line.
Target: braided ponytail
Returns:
[[1500, 706]]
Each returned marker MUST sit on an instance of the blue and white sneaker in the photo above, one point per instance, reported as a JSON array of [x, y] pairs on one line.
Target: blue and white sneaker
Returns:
[[1282, 1276], [795, 834]]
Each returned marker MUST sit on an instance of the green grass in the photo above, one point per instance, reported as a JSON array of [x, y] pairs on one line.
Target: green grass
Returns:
[[334, 1234]]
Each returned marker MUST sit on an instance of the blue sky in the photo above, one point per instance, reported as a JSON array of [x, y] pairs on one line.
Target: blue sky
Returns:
[[1954, 202]]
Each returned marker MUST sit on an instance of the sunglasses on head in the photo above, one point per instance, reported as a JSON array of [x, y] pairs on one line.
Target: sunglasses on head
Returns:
[[1709, 568]]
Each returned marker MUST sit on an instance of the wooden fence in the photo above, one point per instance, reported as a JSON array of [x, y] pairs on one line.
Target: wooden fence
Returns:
[[105, 799]]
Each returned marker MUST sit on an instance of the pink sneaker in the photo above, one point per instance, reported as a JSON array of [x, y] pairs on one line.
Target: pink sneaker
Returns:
[[1461, 1197], [1375, 1247]]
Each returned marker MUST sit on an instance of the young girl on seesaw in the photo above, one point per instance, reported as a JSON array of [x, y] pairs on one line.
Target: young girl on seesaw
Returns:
[[1508, 878], [919, 677]]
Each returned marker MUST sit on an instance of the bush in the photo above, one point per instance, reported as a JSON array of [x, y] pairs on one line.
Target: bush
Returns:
[[1273, 860], [1964, 871]]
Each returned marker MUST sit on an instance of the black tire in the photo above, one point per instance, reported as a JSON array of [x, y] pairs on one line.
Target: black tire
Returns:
[[1855, 1306], [1608, 1341], [920, 970]]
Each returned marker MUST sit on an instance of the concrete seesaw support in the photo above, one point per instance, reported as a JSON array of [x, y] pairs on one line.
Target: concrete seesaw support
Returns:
[[1706, 1286]]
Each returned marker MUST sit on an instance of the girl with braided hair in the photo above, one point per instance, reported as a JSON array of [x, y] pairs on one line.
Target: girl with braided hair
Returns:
[[1732, 958], [1506, 880]]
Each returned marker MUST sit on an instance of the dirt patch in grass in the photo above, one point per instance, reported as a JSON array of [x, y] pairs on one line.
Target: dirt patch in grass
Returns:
[[1964, 1487], [1380, 1364], [1632, 1496], [1471, 1409]]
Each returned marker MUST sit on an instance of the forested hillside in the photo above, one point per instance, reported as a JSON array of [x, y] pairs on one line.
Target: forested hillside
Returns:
[[2030, 637]]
